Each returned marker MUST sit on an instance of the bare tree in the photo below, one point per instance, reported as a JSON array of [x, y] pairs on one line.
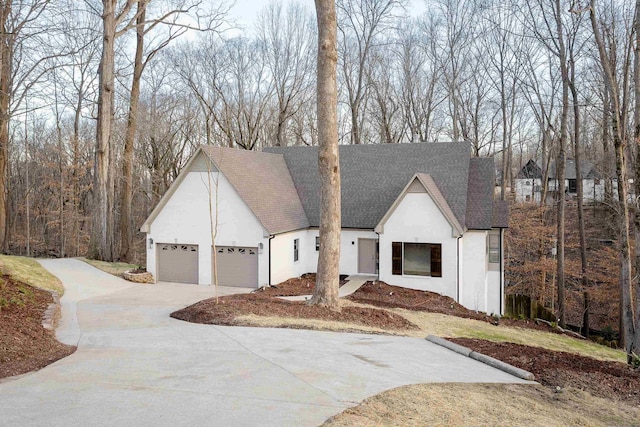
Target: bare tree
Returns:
[[325, 293]]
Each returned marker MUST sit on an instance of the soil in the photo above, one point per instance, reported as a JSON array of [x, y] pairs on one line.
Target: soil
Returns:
[[382, 294], [266, 303], [24, 344], [610, 380]]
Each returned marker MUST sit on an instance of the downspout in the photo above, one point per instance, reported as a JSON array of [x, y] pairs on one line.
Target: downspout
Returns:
[[501, 272], [458, 269], [269, 248], [378, 256]]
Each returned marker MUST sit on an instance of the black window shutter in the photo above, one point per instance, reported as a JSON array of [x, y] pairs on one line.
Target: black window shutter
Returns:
[[396, 258], [436, 260]]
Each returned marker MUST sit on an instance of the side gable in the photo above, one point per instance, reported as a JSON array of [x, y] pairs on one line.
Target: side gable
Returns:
[[424, 183], [530, 171]]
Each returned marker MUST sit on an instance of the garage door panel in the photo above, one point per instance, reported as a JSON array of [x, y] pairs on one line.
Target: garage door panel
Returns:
[[237, 266], [177, 262]]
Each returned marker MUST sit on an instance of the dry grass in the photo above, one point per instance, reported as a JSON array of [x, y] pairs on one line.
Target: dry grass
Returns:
[[313, 324], [457, 327], [486, 405], [115, 268], [29, 271]]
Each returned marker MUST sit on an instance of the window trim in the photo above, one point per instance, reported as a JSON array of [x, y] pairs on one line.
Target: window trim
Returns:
[[493, 248], [296, 250], [398, 260]]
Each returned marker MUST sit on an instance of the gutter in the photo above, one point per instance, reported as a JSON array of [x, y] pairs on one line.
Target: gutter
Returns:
[[378, 255]]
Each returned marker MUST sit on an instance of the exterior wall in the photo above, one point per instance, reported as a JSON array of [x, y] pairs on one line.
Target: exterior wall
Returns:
[[418, 219], [532, 189], [283, 267], [185, 219], [480, 280], [526, 188]]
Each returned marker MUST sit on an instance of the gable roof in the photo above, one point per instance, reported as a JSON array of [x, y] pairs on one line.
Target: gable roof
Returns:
[[261, 179], [373, 176], [434, 192], [480, 193], [533, 170]]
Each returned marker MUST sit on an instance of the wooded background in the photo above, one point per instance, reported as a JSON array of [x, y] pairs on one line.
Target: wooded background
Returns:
[[102, 102]]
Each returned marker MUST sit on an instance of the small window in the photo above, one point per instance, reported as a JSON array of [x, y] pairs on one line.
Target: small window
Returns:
[[573, 186], [416, 259], [241, 250], [527, 198], [296, 247], [493, 246], [596, 181], [317, 243]]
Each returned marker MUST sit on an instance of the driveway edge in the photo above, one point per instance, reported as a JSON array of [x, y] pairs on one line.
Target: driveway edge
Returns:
[[495, 363]]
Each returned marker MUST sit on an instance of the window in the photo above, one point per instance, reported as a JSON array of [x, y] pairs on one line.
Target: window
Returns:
[[572, 186], [296, 246], [416, 259], [317, 243], [493, 246]]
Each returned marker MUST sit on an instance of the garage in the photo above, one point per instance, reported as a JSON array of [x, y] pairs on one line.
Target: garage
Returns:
[[237, 266], [177, 263]]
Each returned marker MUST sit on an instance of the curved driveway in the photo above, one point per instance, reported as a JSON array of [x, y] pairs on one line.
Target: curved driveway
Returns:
[[136, 366]]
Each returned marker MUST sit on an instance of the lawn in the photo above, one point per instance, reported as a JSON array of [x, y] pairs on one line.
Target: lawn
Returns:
[[29, 271], [115, 268]]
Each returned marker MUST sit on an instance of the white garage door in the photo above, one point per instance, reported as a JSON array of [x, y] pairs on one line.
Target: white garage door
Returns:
[[177, 263], [237, 266]]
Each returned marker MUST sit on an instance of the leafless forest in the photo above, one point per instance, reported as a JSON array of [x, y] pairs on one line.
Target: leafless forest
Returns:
[[102, 102]]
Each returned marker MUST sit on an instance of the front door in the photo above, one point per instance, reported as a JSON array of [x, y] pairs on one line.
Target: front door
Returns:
[[367, 256]]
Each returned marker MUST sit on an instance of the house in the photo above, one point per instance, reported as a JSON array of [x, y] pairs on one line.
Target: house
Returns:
[[422, 216], [528, 182]]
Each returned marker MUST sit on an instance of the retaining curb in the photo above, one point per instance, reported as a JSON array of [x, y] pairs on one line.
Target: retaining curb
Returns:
[[495, 363]]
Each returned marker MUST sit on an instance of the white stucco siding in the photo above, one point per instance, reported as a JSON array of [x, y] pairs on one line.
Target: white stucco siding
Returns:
[[185, 219], [527, 189], [480, 280], [418, 219], [283, 266]]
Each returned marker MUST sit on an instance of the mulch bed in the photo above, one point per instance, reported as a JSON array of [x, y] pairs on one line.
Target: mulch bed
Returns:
[[382, 294], [24, 344], [303, 285], [267, 303], [610, 380]]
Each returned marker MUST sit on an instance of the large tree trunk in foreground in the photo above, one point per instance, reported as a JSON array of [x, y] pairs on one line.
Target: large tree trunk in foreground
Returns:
[[101, 246], [327, 280], [126, 233], [6, 55], [636, 120]]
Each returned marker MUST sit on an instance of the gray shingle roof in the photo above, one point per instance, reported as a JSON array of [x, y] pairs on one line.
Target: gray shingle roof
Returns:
[[533, 169], [374, 175], [480, 193], [264, 183]]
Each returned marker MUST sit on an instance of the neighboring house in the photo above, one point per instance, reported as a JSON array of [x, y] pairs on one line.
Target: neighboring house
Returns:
[[529, 181], [422, 216]]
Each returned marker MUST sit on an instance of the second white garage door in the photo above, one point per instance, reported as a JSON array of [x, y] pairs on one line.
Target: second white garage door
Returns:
[[237, 266]]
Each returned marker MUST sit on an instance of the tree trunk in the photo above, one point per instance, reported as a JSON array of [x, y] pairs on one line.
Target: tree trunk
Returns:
[[327, 280], [629, 330], [101, 240], [636, 120], [560, 164], [6, 55], [126, 198], [579, 186]]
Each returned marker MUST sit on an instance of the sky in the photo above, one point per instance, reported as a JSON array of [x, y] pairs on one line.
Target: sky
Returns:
[[245, 11]]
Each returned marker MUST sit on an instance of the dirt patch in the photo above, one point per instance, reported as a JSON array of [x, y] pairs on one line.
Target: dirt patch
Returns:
[[611, 380], [303, 285], [24, 344], [267, 304], [382, 294]]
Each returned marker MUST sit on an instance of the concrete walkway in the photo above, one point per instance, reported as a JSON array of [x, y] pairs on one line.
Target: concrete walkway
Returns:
[[354, 282], [137, 366]]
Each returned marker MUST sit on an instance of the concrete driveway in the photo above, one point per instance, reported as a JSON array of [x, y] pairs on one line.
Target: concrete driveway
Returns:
[[136, 366]]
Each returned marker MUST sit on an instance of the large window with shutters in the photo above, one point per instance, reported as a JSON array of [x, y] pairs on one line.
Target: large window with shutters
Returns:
[[416, 259]]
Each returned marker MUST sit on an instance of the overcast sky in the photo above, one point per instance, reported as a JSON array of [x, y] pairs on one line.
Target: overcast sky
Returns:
[[245, 11]]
